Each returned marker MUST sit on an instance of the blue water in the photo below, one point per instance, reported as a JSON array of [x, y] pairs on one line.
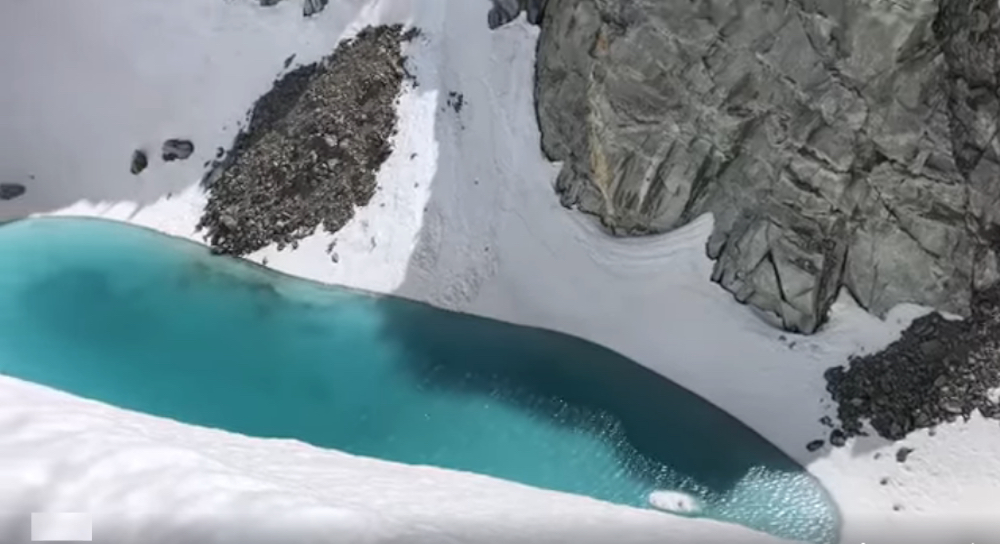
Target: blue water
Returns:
[[157, 324]]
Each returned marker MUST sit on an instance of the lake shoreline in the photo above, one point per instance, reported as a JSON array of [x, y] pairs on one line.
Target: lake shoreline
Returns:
[[466, 219]]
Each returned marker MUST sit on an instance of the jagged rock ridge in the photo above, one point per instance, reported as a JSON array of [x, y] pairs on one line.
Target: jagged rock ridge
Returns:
[[838, 143]]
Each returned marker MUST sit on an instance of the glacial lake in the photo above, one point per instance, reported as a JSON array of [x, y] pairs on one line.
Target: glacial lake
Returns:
[[158, 325]]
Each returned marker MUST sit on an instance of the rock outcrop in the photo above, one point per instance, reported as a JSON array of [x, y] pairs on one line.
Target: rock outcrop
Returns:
[[838, 143]]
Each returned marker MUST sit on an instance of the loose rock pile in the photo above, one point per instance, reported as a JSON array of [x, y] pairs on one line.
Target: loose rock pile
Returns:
[[938, 371], [312, 148]]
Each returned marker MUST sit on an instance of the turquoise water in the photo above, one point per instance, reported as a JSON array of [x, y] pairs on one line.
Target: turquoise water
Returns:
[[157, 324]]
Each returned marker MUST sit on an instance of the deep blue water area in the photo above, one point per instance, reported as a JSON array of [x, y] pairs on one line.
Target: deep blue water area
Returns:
[[159, 325]]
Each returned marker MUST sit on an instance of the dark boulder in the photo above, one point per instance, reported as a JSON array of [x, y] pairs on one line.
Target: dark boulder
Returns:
[[10, 191], [177, 150], [139, 161]]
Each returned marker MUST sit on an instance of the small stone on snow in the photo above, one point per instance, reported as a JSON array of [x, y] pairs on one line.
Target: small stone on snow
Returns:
[[175, 149], [139, 161]]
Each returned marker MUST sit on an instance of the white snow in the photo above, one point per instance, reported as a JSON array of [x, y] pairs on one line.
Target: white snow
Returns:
[[674, 501], [465, 218], [152, 480]]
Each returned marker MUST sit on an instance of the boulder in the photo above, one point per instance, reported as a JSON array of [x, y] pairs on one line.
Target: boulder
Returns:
[[177, 150], [139, 162], [10, 191], [312, 7]]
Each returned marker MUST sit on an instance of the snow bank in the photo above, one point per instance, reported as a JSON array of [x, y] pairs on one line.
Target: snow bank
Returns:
[[465, 218], [152, 480]]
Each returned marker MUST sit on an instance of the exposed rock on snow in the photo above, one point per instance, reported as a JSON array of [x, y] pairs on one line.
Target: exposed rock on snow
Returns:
[[312, 7], [177, 150], [505, 11], [837, 144], [311, 151], [10, 191], [902, 454], [139, 161], [938, 371]]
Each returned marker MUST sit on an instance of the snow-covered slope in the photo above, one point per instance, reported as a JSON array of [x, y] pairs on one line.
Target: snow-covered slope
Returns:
[[465, 218], [152, 480]]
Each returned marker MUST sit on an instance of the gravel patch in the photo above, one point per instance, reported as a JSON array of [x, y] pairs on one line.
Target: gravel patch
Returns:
[[312, 148], [937, 372]]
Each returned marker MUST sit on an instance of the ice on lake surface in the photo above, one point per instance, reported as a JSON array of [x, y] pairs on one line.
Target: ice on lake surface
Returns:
[[158, 325]]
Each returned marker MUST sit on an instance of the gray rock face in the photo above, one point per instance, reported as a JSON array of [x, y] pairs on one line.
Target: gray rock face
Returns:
[[837, 142]]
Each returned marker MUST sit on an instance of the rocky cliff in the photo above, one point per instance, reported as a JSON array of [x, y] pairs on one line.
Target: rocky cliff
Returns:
[[838, 143]]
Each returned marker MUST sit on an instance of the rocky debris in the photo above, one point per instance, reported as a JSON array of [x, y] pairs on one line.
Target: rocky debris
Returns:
[[456, 101], [177, 150], [814, 445], [268, 3], [938, 371], [505, 11], [311, 150], [838, 144], [837, 438], [139, 161], [10, 191], [312, 7]]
